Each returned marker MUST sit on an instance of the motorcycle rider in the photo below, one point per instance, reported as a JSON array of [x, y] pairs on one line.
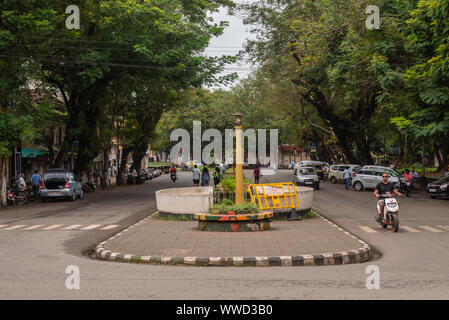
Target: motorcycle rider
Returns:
[[414, 175], [173, 172], [383, 187]]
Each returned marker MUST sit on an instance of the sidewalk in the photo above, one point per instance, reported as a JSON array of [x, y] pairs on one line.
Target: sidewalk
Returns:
[[314, 241]]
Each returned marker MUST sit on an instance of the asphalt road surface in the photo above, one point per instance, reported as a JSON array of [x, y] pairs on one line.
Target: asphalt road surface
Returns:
[[414, 264]]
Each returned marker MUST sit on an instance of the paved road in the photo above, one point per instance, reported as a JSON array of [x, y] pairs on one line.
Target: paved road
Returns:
[[33, 264]]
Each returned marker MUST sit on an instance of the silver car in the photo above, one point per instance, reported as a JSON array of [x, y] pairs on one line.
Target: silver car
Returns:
[[306, 176], [369, 178], [60, 183]]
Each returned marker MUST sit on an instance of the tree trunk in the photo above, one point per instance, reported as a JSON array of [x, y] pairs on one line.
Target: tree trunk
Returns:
[[122, 166], [3, 179], [105, 183]]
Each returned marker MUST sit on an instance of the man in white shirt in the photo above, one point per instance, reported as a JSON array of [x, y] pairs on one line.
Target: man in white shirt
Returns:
[[196, 176], [347, 176], [22, 183]]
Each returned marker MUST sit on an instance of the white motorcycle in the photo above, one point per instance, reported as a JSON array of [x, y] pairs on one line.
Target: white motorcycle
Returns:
[[391, 212]]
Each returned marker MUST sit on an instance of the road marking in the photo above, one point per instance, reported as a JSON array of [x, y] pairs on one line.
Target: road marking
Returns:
[[92, 226], [444, 227], [73, 226], [55, 226], [409, 229], [3, 225], [367, 229], [34, 227], [430, 229], [112, 226], [15, 227]]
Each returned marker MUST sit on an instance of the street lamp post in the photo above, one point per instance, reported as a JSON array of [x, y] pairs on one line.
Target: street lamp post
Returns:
[[239, 156]]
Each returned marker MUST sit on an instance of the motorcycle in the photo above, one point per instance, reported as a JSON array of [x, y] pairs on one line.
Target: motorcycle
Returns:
[[407, 190], [173, 176], [16, 195], [89, 186], [391, 212]]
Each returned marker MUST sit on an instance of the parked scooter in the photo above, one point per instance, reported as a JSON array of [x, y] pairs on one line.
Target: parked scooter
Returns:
[[407, 190], [391, 212], [89, 186], [16, 195]]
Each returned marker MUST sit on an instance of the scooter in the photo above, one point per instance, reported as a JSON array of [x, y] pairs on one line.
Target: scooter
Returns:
[[173, 177], [16, 195], [403, 188], [391, 212]]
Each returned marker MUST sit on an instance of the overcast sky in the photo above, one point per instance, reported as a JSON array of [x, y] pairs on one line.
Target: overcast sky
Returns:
[[232, 40]]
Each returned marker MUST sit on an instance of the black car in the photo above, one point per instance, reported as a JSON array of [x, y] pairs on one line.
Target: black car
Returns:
[[439, 188]]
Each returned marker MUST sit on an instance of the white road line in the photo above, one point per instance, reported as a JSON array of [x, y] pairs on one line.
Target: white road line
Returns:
[[92, 226], [367, 229], [3, 225], [15, 227], [112, 226], [73, 226], [34, 227], [409, 229], [430, 229], [54, 226], [444, 227]]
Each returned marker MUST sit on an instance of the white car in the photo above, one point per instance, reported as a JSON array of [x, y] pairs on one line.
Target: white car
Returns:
[[336, 171], [369, 178]]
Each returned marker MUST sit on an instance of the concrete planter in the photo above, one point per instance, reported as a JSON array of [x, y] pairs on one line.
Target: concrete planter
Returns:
[[232, 222], [184, 201]]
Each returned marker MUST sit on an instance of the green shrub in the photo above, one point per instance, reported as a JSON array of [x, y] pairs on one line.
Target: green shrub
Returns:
[[228, 205]]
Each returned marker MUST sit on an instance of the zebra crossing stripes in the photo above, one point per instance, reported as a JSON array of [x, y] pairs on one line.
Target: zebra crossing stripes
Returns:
[[73, 226], [54, 226], [112, 226], [430, 229], [91, 227], [18, 226], [409, 229], [367, 229], [42, 227], [34, 227]]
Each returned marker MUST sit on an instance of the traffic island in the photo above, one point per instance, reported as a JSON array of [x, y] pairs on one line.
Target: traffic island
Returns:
[[311, 242]]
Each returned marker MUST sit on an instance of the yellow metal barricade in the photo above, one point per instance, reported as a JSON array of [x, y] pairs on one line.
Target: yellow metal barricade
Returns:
[[270, 196]]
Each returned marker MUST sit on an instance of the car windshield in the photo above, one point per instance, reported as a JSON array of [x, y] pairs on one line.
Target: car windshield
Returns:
[[306, 171], [444, 177]]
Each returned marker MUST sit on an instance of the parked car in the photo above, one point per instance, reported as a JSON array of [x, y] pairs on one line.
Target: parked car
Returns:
[[306, 176], [383, 169], [369, 178], [318, 165], [439, 188], [147, 174], [336, 171], [60, 183]]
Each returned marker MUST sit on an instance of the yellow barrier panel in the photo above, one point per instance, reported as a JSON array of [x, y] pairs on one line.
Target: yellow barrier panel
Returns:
[[274, 195]]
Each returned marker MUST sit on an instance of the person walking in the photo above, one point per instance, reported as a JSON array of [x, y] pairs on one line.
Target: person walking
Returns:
[[205, 177], [36, 184], [134, 175], [217, 175], [347, 176], [196, 176], [256, 174]]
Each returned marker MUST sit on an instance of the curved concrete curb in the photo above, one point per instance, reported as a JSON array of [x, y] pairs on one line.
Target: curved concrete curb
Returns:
[[360, 255]]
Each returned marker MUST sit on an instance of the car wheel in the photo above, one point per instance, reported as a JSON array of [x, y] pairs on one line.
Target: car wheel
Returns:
[[333, 180], [317, 187], [433, 197], [43, 200], [358, 186]]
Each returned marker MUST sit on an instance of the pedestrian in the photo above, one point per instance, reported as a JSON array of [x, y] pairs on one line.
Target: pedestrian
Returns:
[[347, 176], [96, 175], [196, 176], [36, 183], [21, 182], [134, 175], [205, 177], [256, 174], [217, 175]]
